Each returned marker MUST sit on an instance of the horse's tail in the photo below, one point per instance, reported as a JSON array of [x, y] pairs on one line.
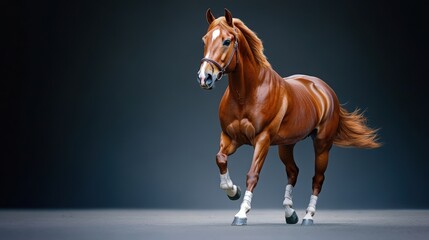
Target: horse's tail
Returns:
[[353, 131]]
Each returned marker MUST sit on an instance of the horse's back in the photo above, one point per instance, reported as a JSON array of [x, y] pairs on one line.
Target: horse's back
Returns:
[[303, 79], [314, 86]]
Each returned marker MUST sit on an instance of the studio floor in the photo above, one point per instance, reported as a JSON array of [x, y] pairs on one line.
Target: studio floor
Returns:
[[210, 224]]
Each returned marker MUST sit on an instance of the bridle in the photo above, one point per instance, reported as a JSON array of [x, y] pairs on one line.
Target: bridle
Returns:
[[223, 69]]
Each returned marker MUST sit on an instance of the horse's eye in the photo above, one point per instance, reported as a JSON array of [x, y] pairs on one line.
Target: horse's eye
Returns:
[[226, 42]]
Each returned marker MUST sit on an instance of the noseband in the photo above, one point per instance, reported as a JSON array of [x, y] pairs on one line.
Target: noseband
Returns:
[[223, 69]]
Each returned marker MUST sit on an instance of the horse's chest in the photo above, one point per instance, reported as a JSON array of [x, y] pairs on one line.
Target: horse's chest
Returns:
[[241, 130]]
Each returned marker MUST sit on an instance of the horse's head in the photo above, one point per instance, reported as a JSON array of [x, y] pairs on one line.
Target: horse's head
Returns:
[[220, 46]]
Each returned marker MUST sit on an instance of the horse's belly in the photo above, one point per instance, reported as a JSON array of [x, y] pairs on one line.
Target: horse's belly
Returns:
[[294, 132], [288, 139]]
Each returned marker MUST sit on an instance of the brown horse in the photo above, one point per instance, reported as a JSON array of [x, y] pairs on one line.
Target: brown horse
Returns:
[[260, 108]]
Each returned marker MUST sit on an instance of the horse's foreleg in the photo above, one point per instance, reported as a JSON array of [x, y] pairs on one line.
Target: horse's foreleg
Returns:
[[227, 147], [322, 154], [262, 144], [286, 155], [232, 191]]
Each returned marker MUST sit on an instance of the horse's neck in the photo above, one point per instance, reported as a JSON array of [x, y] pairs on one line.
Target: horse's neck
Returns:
[[246, 79]]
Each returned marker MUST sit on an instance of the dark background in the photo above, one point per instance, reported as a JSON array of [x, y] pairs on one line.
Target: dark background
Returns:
[[100, 105]]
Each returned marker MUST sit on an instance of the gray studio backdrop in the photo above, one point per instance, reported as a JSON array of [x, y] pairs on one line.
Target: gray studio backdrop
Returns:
[[103, 108]]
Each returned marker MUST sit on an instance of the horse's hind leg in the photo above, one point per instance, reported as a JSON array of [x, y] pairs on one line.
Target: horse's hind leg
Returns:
[[227, 147], [286, 155], [321, 149]]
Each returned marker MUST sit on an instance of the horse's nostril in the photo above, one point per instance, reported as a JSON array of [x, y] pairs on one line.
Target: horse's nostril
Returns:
[[209, 81]]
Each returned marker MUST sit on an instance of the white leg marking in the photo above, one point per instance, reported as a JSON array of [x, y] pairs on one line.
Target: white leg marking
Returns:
[[311, 209], [215, 34], [245, 205], [227, 185], [288, 203]]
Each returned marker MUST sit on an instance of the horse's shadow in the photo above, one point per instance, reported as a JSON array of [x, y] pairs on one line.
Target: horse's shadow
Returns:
[[317, 225]]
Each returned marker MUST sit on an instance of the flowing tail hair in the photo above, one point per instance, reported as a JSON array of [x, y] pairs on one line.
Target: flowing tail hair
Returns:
[[353, 131]]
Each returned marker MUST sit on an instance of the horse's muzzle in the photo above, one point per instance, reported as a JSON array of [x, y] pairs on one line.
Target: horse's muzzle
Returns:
[[206, 82]]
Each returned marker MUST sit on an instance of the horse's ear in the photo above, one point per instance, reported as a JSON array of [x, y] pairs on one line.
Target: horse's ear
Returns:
[[228, 17], [209, 16]]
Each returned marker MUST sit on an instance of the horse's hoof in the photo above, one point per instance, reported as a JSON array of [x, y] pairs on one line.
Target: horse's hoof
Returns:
[[239, 221], [292, 219], [307, 222], [237, 194]]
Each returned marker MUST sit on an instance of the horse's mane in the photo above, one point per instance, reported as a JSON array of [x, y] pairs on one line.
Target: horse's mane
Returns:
[[252, 39]]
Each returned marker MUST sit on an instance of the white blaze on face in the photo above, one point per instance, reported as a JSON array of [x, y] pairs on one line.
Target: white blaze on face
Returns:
[[215, 34], [203, 69]]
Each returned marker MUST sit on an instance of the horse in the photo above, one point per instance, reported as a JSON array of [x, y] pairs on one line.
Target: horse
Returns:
[[260, 108]]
